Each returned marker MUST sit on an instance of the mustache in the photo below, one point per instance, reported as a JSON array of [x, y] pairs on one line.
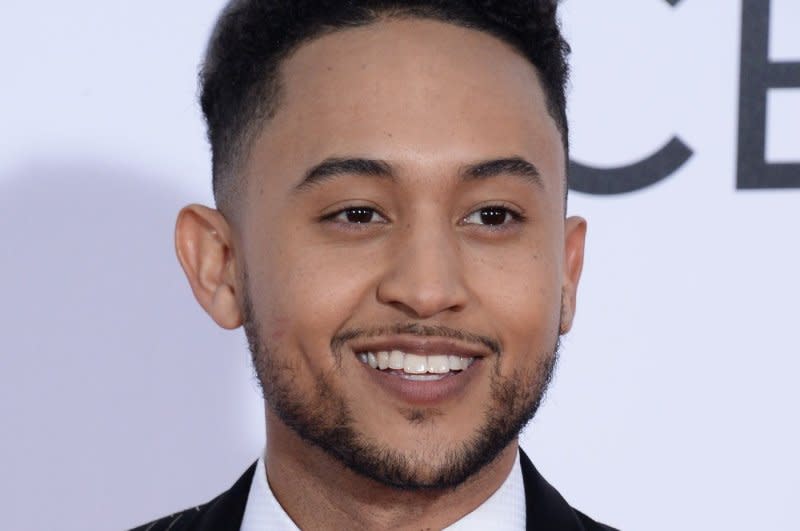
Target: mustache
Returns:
[[415, 329]]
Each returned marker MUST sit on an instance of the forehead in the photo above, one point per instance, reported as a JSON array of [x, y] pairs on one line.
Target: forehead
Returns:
[[423, 94]]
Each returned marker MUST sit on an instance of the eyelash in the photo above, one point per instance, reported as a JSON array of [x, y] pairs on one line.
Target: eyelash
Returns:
[[516, 216], [331, 218]]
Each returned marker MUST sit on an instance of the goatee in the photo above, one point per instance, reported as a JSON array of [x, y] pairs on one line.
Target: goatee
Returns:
[[323, 417]]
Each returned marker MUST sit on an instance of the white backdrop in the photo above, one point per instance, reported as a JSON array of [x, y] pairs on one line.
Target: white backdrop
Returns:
[[675, 402]]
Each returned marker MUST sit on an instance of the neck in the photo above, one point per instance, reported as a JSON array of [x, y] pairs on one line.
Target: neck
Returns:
[[317, 491]]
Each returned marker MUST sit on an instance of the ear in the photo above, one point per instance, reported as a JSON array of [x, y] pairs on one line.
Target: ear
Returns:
[[204, 247], [574, 240]]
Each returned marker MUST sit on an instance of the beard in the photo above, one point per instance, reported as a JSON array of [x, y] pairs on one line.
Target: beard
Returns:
[[323, 418]]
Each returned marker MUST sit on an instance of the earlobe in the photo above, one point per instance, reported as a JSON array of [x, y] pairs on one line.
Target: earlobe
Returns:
[[205, 250], [574, 244]]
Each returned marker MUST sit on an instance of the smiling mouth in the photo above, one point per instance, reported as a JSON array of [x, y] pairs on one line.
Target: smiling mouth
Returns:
[[415, 367]]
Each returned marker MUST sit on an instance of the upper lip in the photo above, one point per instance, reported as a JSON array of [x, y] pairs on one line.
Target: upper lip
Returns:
[[424, 346]]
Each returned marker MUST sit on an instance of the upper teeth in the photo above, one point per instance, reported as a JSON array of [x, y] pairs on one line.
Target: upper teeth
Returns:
[[415, 363]]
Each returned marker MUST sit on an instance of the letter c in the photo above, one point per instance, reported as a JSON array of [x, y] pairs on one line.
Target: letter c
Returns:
[[650, 170]]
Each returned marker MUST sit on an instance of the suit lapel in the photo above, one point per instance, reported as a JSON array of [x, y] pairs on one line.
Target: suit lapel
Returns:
[[545, 507], [227, 510]]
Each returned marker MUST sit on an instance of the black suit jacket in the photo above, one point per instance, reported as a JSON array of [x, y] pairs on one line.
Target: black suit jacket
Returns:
[[546, 509]]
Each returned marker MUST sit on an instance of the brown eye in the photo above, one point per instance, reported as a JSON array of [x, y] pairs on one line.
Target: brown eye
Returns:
[[359, 215], [492, 216]]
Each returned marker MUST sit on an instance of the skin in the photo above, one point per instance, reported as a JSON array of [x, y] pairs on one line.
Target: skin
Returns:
[[428, 99]]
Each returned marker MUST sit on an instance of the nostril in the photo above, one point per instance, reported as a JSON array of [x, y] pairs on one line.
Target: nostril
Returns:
[[423, 280], [419, 308]]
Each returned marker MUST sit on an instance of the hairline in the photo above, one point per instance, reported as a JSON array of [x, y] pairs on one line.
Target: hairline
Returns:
[[269, 94]]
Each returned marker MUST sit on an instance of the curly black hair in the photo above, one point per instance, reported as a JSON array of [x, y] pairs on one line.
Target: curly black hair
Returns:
[[239, 81]]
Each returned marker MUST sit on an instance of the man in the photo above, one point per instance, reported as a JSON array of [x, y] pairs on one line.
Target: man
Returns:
[[390, 181]]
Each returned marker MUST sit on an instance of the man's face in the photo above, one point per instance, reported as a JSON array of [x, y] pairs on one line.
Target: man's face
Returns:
[[426, 239]]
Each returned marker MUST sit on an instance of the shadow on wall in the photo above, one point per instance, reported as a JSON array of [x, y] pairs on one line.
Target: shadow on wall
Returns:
[[119, 398]]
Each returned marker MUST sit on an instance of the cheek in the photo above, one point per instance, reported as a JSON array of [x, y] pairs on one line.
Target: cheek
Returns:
[[522, 296], [306, 295], [278, 326], [527, 305]]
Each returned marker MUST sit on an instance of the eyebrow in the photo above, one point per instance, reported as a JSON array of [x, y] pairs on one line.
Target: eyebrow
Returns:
[[334, 167], [514, 166]]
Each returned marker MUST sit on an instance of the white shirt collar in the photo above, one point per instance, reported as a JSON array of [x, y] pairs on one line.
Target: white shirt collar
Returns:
[[263, 512], [502, 511]]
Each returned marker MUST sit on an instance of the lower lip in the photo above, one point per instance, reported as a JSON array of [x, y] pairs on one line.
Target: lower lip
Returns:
[[451, 386]]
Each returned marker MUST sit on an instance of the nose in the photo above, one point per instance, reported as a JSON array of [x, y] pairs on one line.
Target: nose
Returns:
[[424, 276]]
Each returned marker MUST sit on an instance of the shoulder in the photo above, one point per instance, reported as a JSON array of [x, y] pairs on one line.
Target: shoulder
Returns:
[[222, 513], [177, 521], [591, 525]]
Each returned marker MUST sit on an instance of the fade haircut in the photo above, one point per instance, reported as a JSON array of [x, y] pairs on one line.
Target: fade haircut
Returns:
[[239, 81]]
